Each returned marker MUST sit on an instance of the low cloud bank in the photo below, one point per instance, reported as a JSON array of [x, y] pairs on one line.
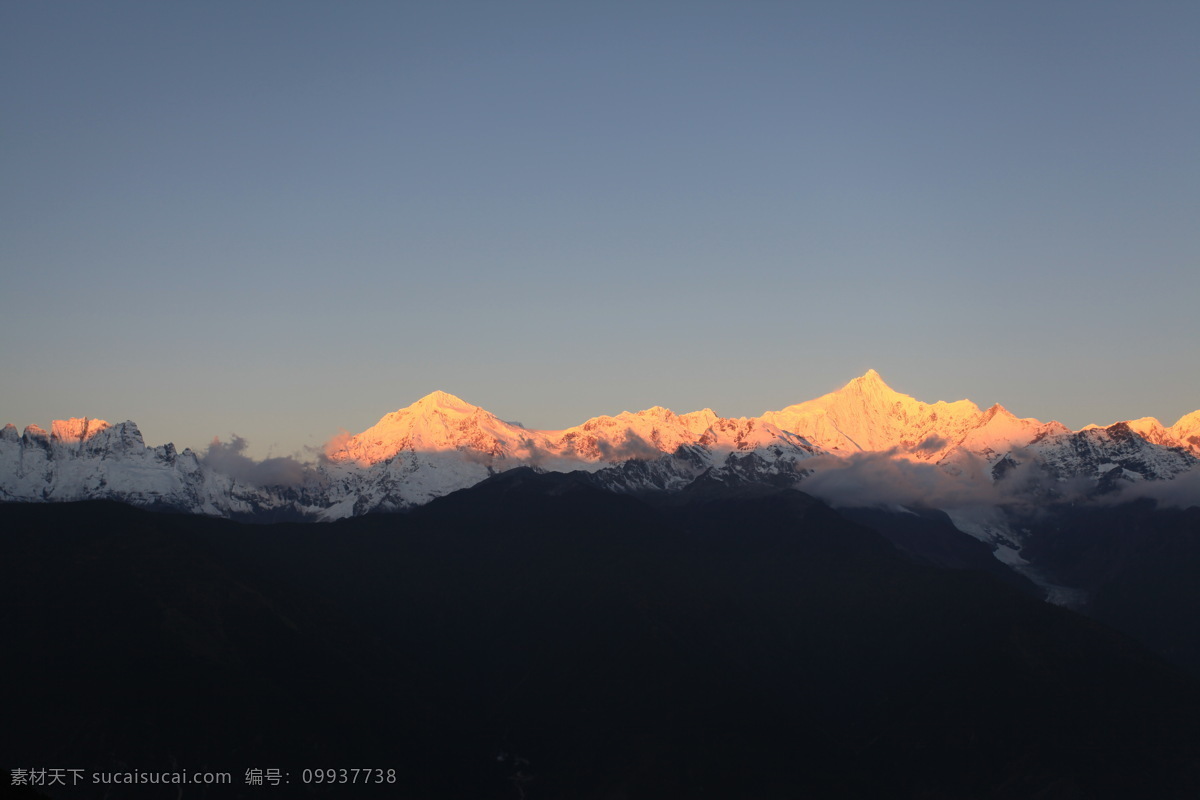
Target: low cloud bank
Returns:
[[1183, 491], [885, 478], [634, 447], [889, 478], [229, 458]]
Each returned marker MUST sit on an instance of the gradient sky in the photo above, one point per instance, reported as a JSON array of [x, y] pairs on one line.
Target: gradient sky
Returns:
[[279, 219]]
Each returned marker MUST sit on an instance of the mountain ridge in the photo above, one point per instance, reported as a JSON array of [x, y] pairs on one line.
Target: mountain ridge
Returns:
[[442, 443]]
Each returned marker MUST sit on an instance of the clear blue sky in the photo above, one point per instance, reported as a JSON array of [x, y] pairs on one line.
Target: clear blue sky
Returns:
[[282, 218]]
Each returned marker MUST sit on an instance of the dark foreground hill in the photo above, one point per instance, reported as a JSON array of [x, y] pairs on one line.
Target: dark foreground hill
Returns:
[[534, 637], [1138, 566]]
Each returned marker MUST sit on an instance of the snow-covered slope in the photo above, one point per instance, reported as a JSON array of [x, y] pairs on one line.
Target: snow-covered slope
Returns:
[[441, 443]]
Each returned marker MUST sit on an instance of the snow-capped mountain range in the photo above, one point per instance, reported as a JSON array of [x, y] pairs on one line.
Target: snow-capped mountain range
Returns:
[[441, 444]]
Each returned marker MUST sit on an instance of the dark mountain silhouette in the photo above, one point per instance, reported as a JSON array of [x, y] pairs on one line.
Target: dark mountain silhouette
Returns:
[[535, 636], [1138, 566]]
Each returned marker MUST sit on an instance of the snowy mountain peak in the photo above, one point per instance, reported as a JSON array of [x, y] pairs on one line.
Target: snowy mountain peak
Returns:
[[997, 410], [870, 384], [872, 394], [1150, 429], [1187, 432], [125, 437], [652, 413], [76, 429], [867, 414], [1188, 422], [437, 422], [443, 401], [35, 432]]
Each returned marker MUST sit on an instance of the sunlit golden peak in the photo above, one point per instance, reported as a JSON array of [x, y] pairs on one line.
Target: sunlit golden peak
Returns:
[[997, 410], [76, 429], [444, 401], [869, 381], [1188, 421]]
